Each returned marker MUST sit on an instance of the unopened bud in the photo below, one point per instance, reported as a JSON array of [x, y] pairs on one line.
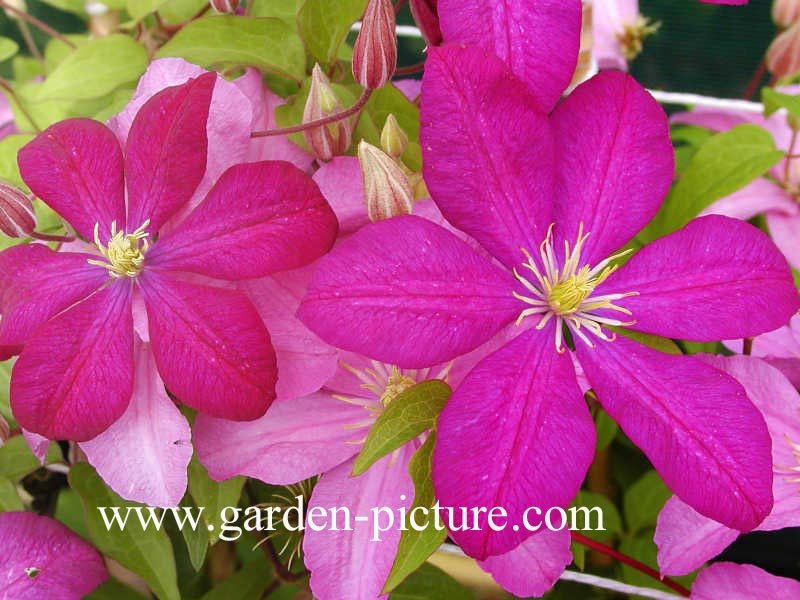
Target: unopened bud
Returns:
[[394, 140], [785, 12], [387, 191], [375, 50], [783, 55], [17, 218], [19, 5], [225, 7], [325, 141], [5, 431], [427, 19]]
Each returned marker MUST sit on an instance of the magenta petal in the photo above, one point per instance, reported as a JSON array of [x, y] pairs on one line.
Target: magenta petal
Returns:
[[785, 230], [76, 167], [165, 155], [541, 444], [717, 461], [717, 278], [44, 559], [212, 349], [295, 440], [614, 162], [259, 218], [741, 582], [37, 283], [155, 474], [488, 152], [534, 566], [342, 184], [538, 40], [422, 299], [349, 564], [75, 376]]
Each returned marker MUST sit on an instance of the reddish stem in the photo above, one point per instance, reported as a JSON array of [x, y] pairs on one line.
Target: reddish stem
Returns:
[[46, 237], [37, 23], [399, 5], [410, 69], [631, 562], [747, 346], [8, 88], [755, 80]]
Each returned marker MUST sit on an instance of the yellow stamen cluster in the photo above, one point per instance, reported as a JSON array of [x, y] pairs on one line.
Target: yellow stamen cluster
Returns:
[[632, 37], [124, 252]]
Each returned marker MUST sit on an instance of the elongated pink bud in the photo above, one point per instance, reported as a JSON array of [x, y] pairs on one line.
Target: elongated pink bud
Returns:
[[387, 191], [17, 218], [225, 7], [375, 50], [785, 12], [427, 19], [783, 55], [325, 141]]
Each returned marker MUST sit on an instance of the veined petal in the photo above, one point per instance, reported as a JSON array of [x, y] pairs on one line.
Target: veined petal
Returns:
[[717, 278], [759, 196], [76, 167], [295, 440], [155, 474], [337, 559], [533, 567], [45, 559], [538, 40], [165, 155], [36, 284], [695, 424], [259, 218], [785, 230], [407, 292], [614, 162], [75, 376], [488, 151], [212, 349], [540, 448], [741, 582]]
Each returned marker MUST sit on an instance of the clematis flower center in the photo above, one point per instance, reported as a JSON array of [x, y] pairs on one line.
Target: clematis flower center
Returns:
[[795, 470], [124, 252], [565, 290], [631, 38]]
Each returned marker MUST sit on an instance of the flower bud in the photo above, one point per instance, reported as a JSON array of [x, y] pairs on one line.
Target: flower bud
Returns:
[[427, 19], [785, 12], [375, 50], [225, 7], [387, 191], [394, 140], [325, 141], [783, 55], [5, 431], [17, 218], [20, 5]]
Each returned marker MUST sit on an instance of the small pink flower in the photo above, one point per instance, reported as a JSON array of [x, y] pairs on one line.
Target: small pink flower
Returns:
[[741, 582]]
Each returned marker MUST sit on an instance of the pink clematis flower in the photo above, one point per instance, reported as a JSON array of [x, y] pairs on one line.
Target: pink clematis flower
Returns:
[[687, 539], [741, 582], [618, 31], [779, 348], [73, 314], [43, 559], [494, 170]]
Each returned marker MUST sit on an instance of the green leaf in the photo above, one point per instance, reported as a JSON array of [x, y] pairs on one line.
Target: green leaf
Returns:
[[643, 501], [8, 48], [662, 344], [69, 510], [607, 429], [180, 11], [9, 497], [724, 164], [248, 583], [324, 25], [389, 100], [138, 9], [285, 10], [113, 590], [408, 415], [774, 101], [94, 70], [612, 522], [643, 549], [9, 169], [430, 583], [213, 496], [145, 551], [267, 44], [17, 460], [197, 539], [416, 546], [5, 379]]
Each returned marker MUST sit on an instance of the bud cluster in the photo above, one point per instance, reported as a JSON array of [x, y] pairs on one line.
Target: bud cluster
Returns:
[[325, 141], [783, 55]]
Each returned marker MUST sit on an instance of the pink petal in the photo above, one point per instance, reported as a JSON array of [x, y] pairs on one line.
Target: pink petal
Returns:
[[717, 461], [74, 377], [534, 566], [37, 443], [718, 120], [76, 167], [342, 184], [305, 362], [614, 162], [759, 196], [538, 40], [155, 474], [785, 232], [411, 88], [541, 444], [715, 279], [420, 300], [165, 154], [608, 22], [259, 218], [348, 564], [295, 440], [36, 284], [66, 567], [741, 582], [211, 347], [488, 152]]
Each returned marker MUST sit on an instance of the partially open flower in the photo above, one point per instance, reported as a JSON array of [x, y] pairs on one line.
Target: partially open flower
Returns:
[[783, 56], [375, 50], [785, 12], [387, 190], [325, 141], [17, 218]]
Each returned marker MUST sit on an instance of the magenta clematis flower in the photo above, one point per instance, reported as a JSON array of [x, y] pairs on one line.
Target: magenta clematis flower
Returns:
[[686, 539], [74, 315], [779, 348], [554, 215], [44, 559], [741, 582]]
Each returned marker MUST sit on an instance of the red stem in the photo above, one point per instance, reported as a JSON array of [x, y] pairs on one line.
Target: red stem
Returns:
[[37, 23], [46, 237], [410, 69], [631, 562], [755, 80], [399, 5]]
